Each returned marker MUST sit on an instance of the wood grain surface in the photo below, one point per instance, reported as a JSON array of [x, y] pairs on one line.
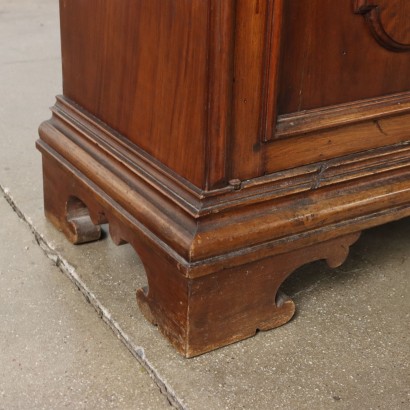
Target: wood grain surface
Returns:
[[229, 142]]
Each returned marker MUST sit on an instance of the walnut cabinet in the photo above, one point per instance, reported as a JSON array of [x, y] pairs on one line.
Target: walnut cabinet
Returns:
[[229, 142]]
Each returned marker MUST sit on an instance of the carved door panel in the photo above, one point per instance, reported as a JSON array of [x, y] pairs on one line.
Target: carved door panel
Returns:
[[316, 79], [341, 63], [388, 22], [330, 57]]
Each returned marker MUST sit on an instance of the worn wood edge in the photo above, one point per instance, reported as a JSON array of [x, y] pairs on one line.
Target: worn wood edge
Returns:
[[117, 212], [293, 124], [284, 315], [338, 142], [200, 238], [200, 246], [84, 126], [183, 334], [277, 308], [208, 325], [135, 201], [295, 241], [83, 228], [241, 320], [103, 142]]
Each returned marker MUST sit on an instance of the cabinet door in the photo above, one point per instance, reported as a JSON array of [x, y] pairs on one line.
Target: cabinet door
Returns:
[[333, 79]]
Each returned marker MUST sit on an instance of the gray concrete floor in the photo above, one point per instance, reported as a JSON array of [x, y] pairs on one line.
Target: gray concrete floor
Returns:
[[55, 352], [347, 347]]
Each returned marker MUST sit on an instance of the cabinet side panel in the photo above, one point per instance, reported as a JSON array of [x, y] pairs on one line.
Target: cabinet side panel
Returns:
[[140, 66]]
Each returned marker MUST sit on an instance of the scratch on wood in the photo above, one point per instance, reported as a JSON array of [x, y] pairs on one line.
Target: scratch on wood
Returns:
[[317, 181], [380, 128]]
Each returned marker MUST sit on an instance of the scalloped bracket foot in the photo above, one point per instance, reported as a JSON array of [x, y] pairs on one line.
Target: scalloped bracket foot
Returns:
[[198, 306], [66, 211], [200, 314]]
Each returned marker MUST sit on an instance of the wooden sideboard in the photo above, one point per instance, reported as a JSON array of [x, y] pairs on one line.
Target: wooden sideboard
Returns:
[[229, 142]]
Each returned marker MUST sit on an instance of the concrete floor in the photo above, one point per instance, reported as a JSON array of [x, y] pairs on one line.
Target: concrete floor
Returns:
[[55, 352], [347, 347]]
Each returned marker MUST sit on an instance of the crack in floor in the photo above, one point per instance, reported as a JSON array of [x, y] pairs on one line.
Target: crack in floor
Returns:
[[68, 270]]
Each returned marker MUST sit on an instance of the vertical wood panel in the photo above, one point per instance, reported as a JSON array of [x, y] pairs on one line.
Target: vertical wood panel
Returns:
[[221, 49], [250, 33], [141, 66], [271, 67]]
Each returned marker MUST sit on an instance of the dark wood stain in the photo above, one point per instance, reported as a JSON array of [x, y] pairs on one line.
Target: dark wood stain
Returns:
[[229, 142]]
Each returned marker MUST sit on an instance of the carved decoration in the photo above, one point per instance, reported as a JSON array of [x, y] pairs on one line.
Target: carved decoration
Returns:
[[389, 22]]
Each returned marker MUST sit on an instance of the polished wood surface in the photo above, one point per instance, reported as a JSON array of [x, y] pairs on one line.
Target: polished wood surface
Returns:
[[229, 142], [387, 21], [332, 58], [161, 104]]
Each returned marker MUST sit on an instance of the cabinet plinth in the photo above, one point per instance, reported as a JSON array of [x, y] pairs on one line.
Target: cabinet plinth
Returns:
[[229, 143]]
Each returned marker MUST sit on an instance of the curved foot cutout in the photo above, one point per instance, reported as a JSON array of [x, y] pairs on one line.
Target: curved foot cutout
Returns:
[[285, 309], [81, 227], [116, 232], [340, 250], [143, 304]]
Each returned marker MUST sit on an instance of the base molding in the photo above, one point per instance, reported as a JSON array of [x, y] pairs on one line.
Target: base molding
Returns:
[[233, 304], [214, 260]]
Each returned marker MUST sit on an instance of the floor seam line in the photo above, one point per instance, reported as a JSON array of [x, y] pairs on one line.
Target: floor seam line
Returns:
[[68, 270]]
